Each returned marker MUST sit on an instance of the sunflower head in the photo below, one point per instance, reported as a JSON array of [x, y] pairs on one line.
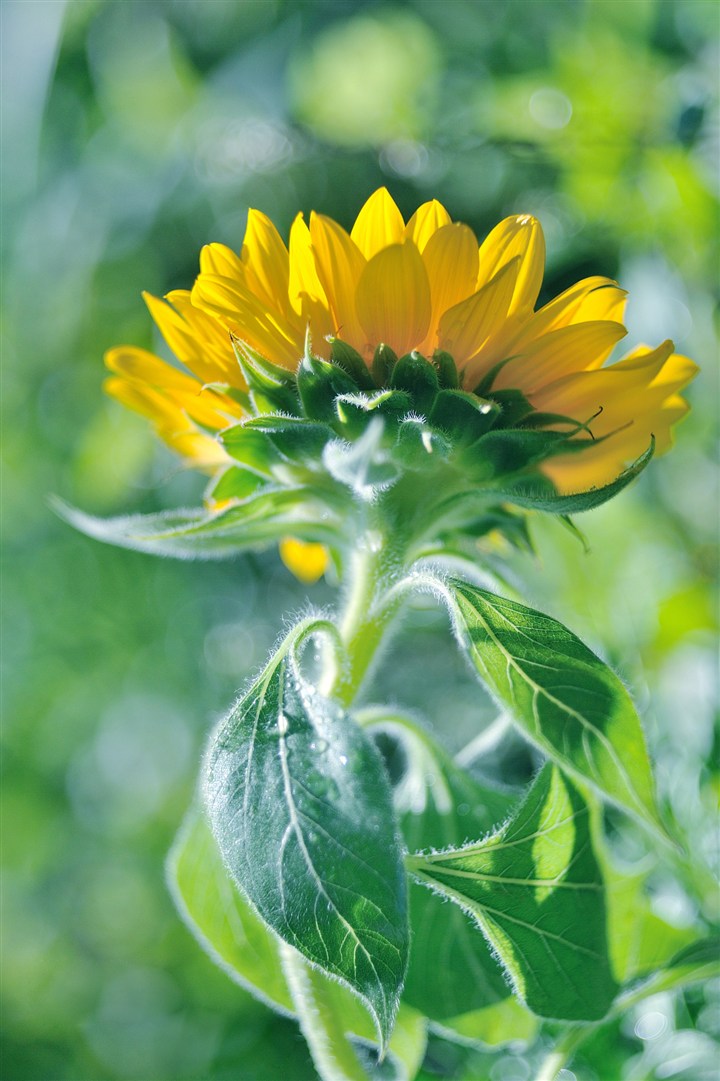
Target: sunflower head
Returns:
[[401, 355]]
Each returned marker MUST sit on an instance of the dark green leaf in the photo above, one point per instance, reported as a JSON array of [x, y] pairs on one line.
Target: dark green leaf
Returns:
[[446, 369], [383, 363], [272, 388], [515, 406], [441, 805], [536, 890], [233, 935], [559, 694], [301, 808]]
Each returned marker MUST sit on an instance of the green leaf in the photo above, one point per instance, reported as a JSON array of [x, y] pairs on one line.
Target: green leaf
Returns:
[[220, 918], [492, 1026], [351, 362], [446, 367], [541, 494], [196, 534], [272, 388], [558, 693], [301, 808], [439, 804], [693, 964], [233, 935], [384, 361], [319, 384], [536, 890]]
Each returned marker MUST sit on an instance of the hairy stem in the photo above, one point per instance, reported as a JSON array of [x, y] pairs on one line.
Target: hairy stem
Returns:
[[364, 620], [332, 1052]]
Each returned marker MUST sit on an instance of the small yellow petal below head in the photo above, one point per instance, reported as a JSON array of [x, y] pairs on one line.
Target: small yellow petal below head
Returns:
[[378, 224], [306, 560]]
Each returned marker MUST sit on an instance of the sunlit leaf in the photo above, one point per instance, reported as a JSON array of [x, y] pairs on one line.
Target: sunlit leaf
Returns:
[[558, 693], [301, 808], [233, 935], [536, 890]]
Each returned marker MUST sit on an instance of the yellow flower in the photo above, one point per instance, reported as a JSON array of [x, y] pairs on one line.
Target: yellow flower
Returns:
[[421, 285]]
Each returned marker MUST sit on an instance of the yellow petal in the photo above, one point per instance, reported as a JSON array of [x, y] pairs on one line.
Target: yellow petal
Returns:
[[393, 298], [425, 222], [219, 259], [580, 347], [339, 264], [135, 363], [451, 262], [521, 236], [378, 224], [307, 561], [214, 361], [467, 326], [266, 262], [590, 300], [245, 314], [307, 295]]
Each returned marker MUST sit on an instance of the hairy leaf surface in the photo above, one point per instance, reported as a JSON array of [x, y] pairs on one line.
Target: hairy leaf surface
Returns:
[[195, 534], [536, 890], [559, 693], [234, 936], [302, 811], [441, 805]]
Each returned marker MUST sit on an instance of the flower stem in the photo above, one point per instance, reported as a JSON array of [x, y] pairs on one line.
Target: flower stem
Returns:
[[562, 1052], [363, 621], [332, 1052]]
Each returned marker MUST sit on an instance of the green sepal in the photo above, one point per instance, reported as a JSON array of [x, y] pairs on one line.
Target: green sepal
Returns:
[[319, 383], [416, 375], [300, 806], [355, 411], [383, 363], [364, 465], [510, 451], [515, 406], [463, 417], [347, 358], [295, 438], [541, 493], [235, 482], [484, 387], [535, 888], [419, 447], [272, 389], [446, 368], [251, 449]]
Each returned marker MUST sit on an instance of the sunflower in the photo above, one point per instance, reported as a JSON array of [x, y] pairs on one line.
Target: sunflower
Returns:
[[425, 286]]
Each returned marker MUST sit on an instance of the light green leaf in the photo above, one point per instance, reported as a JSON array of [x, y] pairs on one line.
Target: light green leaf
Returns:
[[234, 936], [440, 805], [536, 890], [301, 808], [694, 964], [558, 693], [493, 1026], [196, 534]]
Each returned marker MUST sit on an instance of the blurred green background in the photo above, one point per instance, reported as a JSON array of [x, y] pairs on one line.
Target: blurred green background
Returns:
[[134, 133]]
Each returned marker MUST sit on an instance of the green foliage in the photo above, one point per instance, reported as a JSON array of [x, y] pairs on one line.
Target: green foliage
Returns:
[[536, 890], [558, 693], [300, 807]]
